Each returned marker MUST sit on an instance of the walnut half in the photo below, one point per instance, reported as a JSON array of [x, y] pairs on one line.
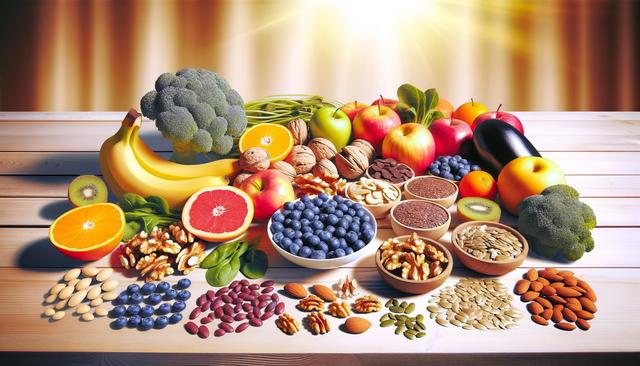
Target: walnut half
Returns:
[[318, 323], [311, 303]]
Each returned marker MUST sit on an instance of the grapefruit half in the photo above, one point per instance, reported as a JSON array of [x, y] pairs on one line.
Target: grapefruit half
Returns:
[[218, 213]]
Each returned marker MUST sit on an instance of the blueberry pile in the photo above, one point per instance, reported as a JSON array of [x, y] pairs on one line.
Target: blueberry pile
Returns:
[[135, 307], [452, 167], [322, 227]]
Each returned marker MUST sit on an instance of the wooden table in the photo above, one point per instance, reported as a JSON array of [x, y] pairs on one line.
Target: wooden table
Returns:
[[40, 153]]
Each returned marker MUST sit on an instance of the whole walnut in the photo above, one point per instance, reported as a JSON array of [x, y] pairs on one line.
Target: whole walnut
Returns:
[[284, 168], [325, 168], [365, 147], [254, 160], [301, 159], [241, 178], [352, 163], [322, 148], [299, 130]]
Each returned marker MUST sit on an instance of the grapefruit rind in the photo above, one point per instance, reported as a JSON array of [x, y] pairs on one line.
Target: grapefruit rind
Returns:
[[223, 236]]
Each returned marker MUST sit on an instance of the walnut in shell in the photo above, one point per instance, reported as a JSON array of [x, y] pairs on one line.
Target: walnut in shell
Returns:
[[284, 168], [352, 163], [301, 159], [324, 168], [241, 178], [299, 130], [254, 160], [365, 147], [322, 148]]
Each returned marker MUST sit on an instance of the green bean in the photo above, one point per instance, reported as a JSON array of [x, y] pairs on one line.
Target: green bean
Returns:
[[282, 109]]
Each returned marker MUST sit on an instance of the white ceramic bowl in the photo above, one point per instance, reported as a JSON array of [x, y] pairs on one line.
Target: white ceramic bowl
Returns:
[[322, 263]]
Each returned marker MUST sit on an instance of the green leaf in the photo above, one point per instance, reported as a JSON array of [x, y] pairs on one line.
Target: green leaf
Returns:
[[131, 229], [223, 274], [432, 116], [432, 98], [254, 264], [219, 254], [160, 204], [132, 201], [412, 97], [150, 222]]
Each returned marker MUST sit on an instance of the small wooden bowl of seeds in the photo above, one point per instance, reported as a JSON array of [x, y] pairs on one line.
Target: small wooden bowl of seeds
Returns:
[[377, 195], [489, 247]]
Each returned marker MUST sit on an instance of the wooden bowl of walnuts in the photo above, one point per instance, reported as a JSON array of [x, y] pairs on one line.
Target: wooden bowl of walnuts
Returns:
[[399, 264]]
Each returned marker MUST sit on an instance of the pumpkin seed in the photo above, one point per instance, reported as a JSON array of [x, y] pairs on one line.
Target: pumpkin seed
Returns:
[[387, 323]]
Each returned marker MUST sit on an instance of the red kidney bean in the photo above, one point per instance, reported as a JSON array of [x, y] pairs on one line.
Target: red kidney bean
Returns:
[[211, 295], [212, 315], [237, 289], [245, 297], [266, 315], [213, 306], [271, 306], [246, 290], [256, 322], [257, 312], [268, 283], [226, 318], [203, 332], [219, 312], [217, 302], [262, 304], [222, 291], [219, 332], [201, 300], [205, 306], [240, 316], [255, 293], [238, 300], [237, 308], [250, 315], [226, 298], [247, 307], [191, 327], [240, 328], [228, 309], [206, 320], [233, 295], [226, 327], [264, 297], [275, 297], [280, 308], [266, 290], [254, 287], [195, 313], [244, 282], [234, 283], [255, 302]]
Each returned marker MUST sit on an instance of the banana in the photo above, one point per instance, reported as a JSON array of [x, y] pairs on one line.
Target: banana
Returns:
[[124, 173], [162, 167]]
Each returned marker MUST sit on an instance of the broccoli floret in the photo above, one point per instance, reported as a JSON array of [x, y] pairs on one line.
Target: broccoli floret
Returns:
[[197, 111], [556, 222]]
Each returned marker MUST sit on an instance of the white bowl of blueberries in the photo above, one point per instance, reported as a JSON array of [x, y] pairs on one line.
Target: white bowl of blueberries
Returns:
[[322, 231]]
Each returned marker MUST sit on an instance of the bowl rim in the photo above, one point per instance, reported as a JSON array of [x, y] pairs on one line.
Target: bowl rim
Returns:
[[399, 184], [355, 254], [417, 229], [445, 272], [516, 233], [366, 205], [429, 176]]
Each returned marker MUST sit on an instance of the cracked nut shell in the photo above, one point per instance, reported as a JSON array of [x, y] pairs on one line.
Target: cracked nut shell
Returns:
[[299, 130], [352, 163], [366, 148], [322, 148], [325, 168]]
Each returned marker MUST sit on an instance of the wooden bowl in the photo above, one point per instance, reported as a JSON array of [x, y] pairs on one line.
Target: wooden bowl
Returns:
[[488, 267], [434, 233], [411, 286], [379, 211], [400, 185], [445, 201]]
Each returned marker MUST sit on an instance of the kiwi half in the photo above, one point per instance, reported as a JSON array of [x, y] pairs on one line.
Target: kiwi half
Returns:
[[478, 209], [87, 189]]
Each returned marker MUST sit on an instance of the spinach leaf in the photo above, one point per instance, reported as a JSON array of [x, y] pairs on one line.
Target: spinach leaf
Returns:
[[222, 274], [411, 96], [254, 264], [131, 229], [132, 201], [219, 254], [160, 205]]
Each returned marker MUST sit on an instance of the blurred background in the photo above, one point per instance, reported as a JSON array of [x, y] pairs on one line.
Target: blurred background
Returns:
[[528, 55]]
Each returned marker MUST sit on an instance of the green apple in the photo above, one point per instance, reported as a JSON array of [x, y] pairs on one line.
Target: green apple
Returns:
[[332, 124]]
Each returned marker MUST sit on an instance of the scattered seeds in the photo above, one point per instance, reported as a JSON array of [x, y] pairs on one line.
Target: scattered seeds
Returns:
[[409, 327], [489, 243]]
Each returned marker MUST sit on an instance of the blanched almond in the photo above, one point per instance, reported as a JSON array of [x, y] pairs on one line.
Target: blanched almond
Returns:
[[72, 274], [109, 285], [66, 292], [94, 292], [58, 315], [90, 271], [77, 298], [104, 274], [83, 284], [57, 288]]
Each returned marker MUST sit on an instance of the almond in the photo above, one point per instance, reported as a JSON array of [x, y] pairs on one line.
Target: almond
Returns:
[[540, 320], [543, 281], [565, 326], [569, 315], [521, 287], [296, 290], [536, 286], [566, 274], [529, 296], [550, 275], [550, 270], [557, 300], [573, 304], [535, 308], [356, 325], [557, 284], [567, 292], [324, 293], [547, 314], [531, 274], [548, 291], [583, 314], [544, 302], [557, 316], [570, 281], [587, 304], [583, 324], [590, 293], [558, 307]]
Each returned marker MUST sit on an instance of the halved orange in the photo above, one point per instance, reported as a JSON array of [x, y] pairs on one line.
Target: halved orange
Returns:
[[88, 232], [276, 139]]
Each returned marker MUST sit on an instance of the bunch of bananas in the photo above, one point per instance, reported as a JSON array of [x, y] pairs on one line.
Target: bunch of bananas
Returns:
[[130, 165]]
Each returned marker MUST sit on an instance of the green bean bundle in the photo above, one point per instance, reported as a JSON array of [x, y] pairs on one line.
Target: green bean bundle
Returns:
[[282, 109]]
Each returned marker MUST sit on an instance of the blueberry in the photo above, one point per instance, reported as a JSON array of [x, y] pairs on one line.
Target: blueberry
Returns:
[[463, 161], [161, 322], [133, 288], [183, 295], [351, 211], [306, 229], [304, 252], [323, 246], [289, 206], [330, 229], [119, 323], [297, 234], [323, 196], [289, 233], [295, 215], [340, 232], [435, 172], [475, 167], [287, 222], [367, 227], [299, 205], [318, 225], [332, 219], [344, 208], [318, 254], [305, 199], [355, 227], [293, 249], [136, 298], [297, 241], [338, 199], [277, 217], [445, 168], [163, 309], [154, 299], [343, 223], [457, 177], [343, 243], [170, 294], [331, 254], [448, 176], [296, 225], [175, 318], [358, 245], [367, 235], [366, 218], [134, 321], [146, 324], [308, 214], [163, 287], [276, 227], [352, 237], [178, 306], [314, 241], [348, 250], [277, 237], [360, 212], [334, 243], [339, 213], [184, 283], [340, 252], [317, 201], [146, 311], [286, 243], [434, 165], [133, 309], [118, 311], [148, 288], [324, 235]]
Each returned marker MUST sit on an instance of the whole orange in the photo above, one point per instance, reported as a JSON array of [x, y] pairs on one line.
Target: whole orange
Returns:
[[469, 111], [478, 184]]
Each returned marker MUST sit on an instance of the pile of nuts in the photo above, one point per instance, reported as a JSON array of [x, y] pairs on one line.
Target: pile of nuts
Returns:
[[162, 251], [558, 296], [373, 192], [411, 327], [481, 304], [84, 290], [412, 258], [248, 303], [489, 243]]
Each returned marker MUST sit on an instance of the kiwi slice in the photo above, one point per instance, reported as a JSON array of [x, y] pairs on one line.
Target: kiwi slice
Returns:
[[87, 189], [478, 209]]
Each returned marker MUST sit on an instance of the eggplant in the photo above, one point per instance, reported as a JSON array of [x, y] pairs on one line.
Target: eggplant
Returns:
[[497, 143]]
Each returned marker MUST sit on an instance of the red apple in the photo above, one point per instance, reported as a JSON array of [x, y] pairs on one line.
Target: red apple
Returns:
[[352, 108], [452, 136], [269, 190], [391, 103], [373, 123], [499, 115], [411, 144]]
